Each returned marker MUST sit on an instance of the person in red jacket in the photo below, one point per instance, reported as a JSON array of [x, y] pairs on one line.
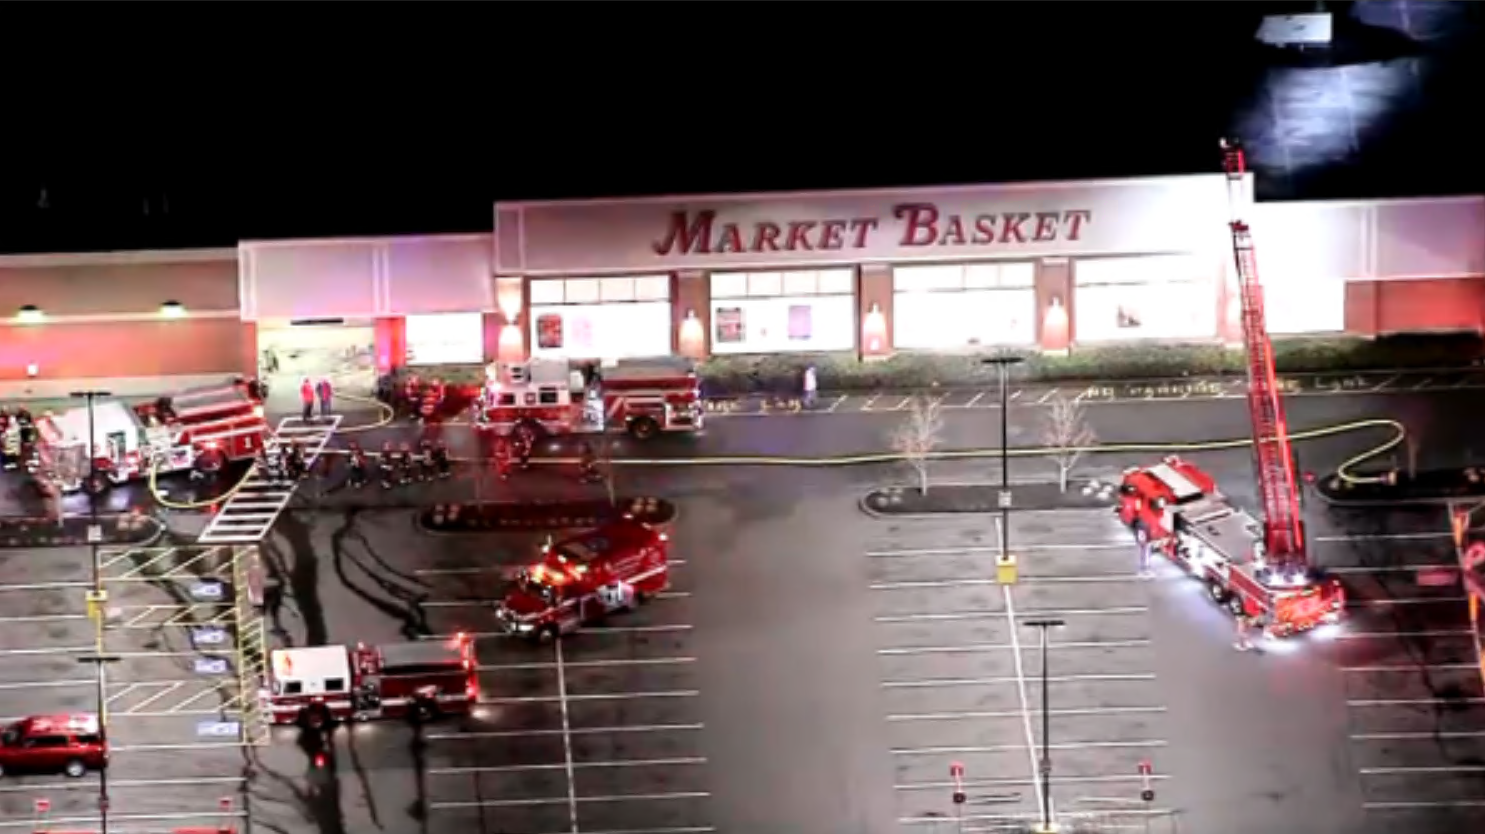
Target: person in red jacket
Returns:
[[307, 398], [325, 392]]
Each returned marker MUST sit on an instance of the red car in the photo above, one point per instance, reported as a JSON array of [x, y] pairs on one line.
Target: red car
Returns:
[[70, 744]]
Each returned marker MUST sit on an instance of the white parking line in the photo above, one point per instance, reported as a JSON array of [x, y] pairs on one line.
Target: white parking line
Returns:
[[1413, 702], [1007, 748], [839, 401], [563, 700], [1392, 771], [685, 829], [43, 618], [586, 664], [904, 404], [491, 603], [574, 731], [500, 635], [570, 766], [1389, 635], [929, 683], [974, 399], [127, 783], [1025, 615], [45, 684], [968, 550], [536, 803], [1047, 396], [1014, 645], [499, 569], [1025, 580], [1422, 806], [611, 696], [1410, 667], [1032, 783], [45, 586], [957, 716], [157, 748], [1399, 537], [1352, 569], [1382, 603], [1428, 736], [1021, 689]]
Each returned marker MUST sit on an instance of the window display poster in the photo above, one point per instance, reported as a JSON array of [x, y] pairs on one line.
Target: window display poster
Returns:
[[784, 324], [446, 339], [1126, 312], [965, 319], [602, 331], [730, 327]]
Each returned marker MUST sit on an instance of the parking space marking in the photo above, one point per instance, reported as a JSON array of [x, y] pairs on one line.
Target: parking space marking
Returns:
[[568, 766], [43, 618], [1386, 602], [1010, 613], [48, 684], [1364, 571], [1428, 736], [1410, 667], [499, 569], [957, 616], [1422, 806], [607, 629], [933, 683], [45, 586], [574, 732], [914, 585], [607, 696], [973, 400], [1383, 771], [1414, 702], [536, 803], [1014, 645], [1010, 748], [1370, 635], [969, 550], [126, 784], [567, 763], [490, 603]]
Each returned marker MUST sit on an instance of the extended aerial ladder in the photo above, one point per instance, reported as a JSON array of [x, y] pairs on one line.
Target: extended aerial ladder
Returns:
[[1273, 457]]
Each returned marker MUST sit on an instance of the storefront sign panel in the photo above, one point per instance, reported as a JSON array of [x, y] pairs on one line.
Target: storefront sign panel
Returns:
[[446, 339], [439, 274], [784, 324], [309, 279], [1174, 214]]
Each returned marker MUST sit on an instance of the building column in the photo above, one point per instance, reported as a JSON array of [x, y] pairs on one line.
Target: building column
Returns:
[[1054, 304], [874, 296], [1363, 314], [248, 350], [391, 343], [506, 327], [691, 314]]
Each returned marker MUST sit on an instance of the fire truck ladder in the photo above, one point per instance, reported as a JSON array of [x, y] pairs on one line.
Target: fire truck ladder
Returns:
[[1283, 527], [249, 514]]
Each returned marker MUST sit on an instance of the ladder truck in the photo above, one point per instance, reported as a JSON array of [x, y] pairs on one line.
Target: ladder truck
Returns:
[[1253, 567]]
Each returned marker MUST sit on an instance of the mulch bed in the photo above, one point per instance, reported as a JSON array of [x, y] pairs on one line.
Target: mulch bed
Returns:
[[985, 498], [118, 529], [1424, 487], [542, 515]]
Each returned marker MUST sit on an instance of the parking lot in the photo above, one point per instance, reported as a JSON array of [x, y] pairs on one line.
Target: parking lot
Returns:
[[600, 732], [961, 672], [173, 705], [1414, 705]]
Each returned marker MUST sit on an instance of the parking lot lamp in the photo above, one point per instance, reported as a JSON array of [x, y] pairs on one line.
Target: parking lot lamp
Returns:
[[98, 598], [99, 660], [1044, 766], [1003, 363]]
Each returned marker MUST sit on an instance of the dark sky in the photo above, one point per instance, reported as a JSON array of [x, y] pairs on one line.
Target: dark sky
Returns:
[[284, 120]]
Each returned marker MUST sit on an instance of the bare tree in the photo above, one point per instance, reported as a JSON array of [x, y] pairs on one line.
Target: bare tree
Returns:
[[1066, 435], [917, 437]]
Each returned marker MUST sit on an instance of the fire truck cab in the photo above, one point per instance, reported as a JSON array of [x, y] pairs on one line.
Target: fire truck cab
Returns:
[[583, 579], [544, 397], [422, 680], [1174, 507], [170, 434]]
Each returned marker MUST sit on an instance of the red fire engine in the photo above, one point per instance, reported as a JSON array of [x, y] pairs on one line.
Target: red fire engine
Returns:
[[315, 685], [549, 397], [170, 434], [1257, 568], [583, 579]]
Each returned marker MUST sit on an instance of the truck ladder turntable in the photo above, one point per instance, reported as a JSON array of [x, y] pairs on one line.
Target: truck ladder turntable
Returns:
[[250, 513]]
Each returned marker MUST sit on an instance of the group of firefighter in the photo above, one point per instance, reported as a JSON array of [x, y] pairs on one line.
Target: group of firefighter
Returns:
[[399, 465], [18, 437]]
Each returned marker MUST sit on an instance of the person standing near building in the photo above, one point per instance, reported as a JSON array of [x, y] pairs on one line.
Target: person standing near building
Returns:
[[811, 386], [325, 392], [1244, 628], [307, 399]]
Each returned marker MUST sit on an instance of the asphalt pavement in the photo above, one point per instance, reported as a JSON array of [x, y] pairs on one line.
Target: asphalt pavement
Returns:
[[810, 670]]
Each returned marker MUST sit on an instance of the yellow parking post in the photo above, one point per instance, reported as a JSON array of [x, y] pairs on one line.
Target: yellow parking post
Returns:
[[97, 600], [1006, 571]]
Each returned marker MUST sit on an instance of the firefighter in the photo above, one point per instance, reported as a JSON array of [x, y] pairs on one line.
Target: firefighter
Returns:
[[357, 467], [1244, 632], [441, 459], [412, 390], [588, 464], [295, 466], [502, 457], [268, 461], [424, 460], [386, 464], [208, 464], [404, 465], [307, 399], [431, 400], [10, 440], [521, 446], [26, 436]]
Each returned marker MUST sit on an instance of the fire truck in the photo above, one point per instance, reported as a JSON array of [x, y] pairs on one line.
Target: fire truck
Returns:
[[170, 434], [1255, 567], [544, 397], [584, 579], [315, 685]]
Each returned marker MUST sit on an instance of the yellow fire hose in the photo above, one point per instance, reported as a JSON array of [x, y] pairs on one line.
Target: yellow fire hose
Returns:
[[1396, 434]]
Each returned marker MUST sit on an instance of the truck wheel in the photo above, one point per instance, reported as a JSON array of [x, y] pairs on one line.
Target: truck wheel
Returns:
[[546, 635], [643, 428], [1217, 592], [1235, 605], [75, 769]]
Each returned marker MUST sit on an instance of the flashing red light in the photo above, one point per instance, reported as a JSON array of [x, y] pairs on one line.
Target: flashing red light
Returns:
[[319, 761], [1145, 768], [665, 537]]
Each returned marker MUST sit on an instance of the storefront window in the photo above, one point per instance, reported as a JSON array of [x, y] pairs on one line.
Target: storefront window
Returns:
[[778, 312], [1311, 305], [949, 306], [446, 339], [1154, 297], [620, 317]]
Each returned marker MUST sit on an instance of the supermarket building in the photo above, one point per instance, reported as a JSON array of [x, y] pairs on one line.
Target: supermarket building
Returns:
[[1039, 266]]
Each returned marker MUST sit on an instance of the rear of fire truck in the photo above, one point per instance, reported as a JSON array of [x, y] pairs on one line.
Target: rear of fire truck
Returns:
[[418, 680]]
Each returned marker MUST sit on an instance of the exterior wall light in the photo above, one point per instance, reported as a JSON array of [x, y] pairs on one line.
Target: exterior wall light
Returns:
[[33, 370], [30, 314], [172, 310]]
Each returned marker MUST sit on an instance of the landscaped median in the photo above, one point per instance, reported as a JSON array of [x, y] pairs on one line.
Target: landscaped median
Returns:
[[128, 529], [985, 498], [1394, 488], [502, 517]]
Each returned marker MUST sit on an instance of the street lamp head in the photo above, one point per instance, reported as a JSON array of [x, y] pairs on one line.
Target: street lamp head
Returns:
[[1044, 623], [1002, 359], [86, 395]]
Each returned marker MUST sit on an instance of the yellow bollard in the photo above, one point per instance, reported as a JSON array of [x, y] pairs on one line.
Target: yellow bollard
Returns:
[[96, 602], [1006, 571]]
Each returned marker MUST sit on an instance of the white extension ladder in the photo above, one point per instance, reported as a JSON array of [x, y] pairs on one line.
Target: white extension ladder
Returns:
[[249, 514]]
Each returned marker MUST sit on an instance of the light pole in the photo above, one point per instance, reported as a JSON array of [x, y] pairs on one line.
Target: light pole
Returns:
[[99, 596], [1004, 362], [1045, 765]]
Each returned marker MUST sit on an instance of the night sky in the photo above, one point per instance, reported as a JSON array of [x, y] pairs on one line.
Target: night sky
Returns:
[[203, 124]]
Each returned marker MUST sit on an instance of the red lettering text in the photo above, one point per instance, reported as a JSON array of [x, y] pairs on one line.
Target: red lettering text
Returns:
[[687, 235], [766, 237], [1075, 220], [798, 236], [920, 223], [832, 234], [1012, 228], [861, 227]]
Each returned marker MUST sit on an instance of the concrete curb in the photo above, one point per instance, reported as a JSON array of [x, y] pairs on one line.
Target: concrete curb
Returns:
[[420, 527], [159, 531], [863, 504], [1341, 502]]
